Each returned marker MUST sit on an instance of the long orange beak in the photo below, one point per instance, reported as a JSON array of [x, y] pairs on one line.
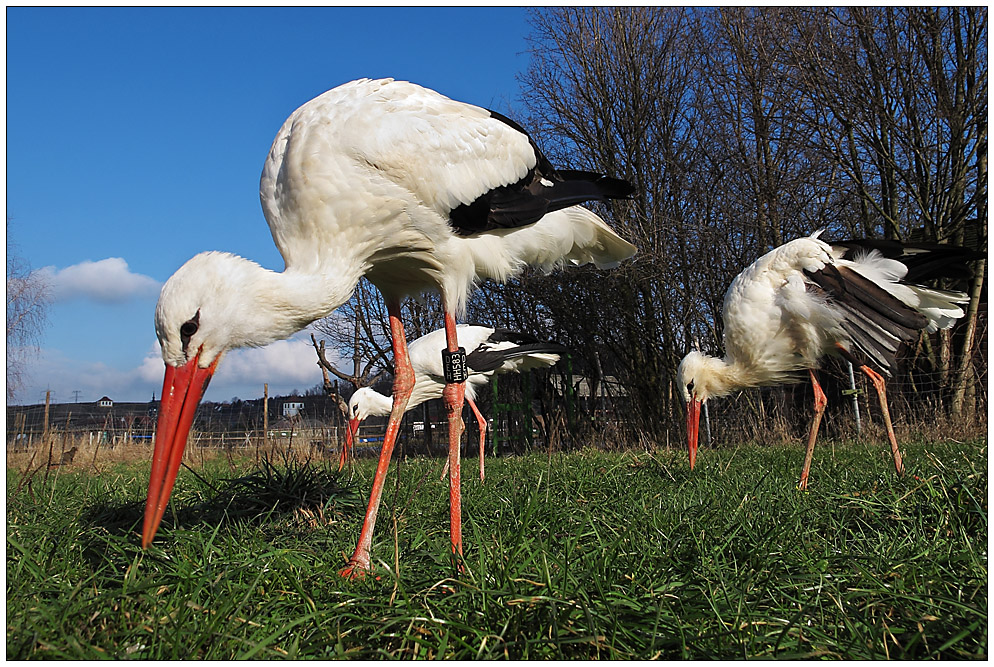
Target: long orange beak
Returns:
[[349, 436], [182, 390], [693, 424]]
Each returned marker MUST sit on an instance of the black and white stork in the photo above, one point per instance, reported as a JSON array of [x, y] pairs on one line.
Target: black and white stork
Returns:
[[391, 181], [807, 299]]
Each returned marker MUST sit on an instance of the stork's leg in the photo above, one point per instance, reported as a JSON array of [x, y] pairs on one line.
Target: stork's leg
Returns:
[[483, 431], [403, 385], [453, 396], [879, 385], [820, 402], [483, 435]]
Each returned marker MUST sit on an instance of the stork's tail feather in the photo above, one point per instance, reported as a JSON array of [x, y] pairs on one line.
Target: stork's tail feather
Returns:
[[872, 284], [941, 307], [594, 242], [924, 261], [917, 262]]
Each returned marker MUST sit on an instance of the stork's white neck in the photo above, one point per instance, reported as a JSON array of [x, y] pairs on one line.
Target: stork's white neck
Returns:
[[719, 377], [280, 304], [723, 377]]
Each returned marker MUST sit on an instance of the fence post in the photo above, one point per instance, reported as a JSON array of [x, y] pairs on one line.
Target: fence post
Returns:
[[45, 437], [855, 397]]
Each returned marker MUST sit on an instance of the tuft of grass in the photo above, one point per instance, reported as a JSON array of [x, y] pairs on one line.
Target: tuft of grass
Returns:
[[585, 555]]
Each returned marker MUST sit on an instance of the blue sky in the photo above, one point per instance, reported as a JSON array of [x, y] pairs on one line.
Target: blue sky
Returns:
[[136, 137]]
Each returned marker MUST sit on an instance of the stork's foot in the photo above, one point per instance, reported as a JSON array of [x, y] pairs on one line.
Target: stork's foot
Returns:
[[355, 570]]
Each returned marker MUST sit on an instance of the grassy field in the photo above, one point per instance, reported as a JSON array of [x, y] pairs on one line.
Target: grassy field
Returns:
[[582, 555]]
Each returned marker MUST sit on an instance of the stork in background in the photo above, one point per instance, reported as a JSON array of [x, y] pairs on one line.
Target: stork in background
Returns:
[[397, 183], [494, 351], [807, 299]]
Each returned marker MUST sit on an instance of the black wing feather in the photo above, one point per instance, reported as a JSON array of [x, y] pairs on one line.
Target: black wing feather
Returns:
[[484, 358], [876, 321], [543, 189], [925, 261]]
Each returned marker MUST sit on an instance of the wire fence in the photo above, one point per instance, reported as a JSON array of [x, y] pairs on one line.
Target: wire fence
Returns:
[[546, 409]]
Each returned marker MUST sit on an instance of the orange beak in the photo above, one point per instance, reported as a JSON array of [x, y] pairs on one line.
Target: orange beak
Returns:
[[349, 436], [693, 424], [182, 390]]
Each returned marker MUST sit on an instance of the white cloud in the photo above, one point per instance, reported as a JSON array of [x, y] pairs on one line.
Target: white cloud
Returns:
[[289, 362], [107, 281]]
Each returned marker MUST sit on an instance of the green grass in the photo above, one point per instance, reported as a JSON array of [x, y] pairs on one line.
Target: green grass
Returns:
[[585, 555]]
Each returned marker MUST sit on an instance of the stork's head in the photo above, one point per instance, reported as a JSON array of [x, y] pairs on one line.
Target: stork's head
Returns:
[[364, 402], [696, 378], [205, 308], [196, 321]]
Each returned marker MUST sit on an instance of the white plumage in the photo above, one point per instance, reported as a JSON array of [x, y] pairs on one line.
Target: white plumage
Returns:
[[492, 351], [394, 182], [806, 299], [399, 159]]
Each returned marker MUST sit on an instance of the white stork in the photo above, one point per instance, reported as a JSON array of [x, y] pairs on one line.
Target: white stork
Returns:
[[494, 351], [397, 183], [806, 299]]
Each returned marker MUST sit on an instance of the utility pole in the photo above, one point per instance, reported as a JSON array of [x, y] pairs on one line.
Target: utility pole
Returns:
[[75, 395]]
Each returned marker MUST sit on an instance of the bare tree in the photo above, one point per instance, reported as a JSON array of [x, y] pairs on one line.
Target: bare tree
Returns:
[[898, 101], [28, 297], [743, 128]]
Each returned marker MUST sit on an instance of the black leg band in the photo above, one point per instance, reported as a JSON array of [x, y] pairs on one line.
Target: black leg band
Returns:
[[454, 364]]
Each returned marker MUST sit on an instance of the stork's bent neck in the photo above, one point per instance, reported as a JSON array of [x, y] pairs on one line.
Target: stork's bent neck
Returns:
[[271, 306], [378, 405], [720, 377], [295, 299]]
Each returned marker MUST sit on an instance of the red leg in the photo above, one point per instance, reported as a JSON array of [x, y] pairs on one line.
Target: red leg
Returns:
[[403, 385], [445, 469], [879, 385], [483, 431], [820, 402], [453, 395]]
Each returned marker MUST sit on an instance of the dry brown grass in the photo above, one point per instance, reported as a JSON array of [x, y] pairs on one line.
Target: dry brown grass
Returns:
[[90, 454]]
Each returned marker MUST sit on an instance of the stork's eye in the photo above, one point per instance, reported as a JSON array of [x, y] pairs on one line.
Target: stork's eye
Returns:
[[690, 386], [188, 329]]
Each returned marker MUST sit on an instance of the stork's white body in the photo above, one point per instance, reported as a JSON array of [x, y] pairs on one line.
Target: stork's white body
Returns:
[[362, 180], [777, 322]]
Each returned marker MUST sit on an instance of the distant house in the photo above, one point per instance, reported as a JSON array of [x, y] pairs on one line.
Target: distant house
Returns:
[[292, 408], [105, 402]]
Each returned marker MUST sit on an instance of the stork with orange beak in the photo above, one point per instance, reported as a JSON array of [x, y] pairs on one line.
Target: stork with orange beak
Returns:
[[807, 299], [397, 183]]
